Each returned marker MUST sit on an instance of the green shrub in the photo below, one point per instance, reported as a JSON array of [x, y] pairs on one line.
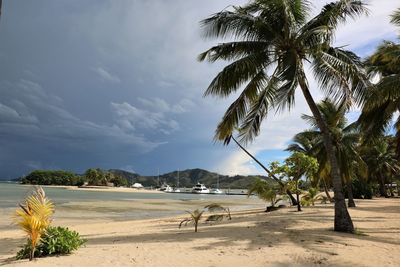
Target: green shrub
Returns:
[[361, 189], [56, 241]]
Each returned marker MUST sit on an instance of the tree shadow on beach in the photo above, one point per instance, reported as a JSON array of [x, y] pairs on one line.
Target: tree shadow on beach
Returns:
[[263, 230]]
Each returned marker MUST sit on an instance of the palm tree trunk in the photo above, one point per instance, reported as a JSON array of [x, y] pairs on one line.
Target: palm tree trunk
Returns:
[[382, 188], [297, 196], [327, 192], [32, 254], [350, 202], [343, 222], [288, 192]]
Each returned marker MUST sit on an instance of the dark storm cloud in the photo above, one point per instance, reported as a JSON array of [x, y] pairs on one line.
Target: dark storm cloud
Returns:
[[112, 84]]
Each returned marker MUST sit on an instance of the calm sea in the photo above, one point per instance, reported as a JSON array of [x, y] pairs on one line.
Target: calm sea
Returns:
[[12, 193], [84, 205]]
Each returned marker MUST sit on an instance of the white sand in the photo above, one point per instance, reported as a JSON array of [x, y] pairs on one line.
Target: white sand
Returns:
[[281, 238]]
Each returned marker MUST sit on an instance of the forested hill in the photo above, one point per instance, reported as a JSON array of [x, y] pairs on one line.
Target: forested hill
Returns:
[[187, 178]]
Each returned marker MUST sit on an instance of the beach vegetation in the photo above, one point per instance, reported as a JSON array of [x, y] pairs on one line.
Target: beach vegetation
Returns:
[[295, 167], [382, 104], [34, 217], [271, 173], [383, 165], [271, 43], [55, 241], [311, 196], [52, 177], [265, 191], [194, 219], [346, 139], [219, 212]]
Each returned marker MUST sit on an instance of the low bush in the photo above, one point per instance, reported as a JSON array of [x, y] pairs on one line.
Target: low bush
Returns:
[[361, 189], [55, 241]]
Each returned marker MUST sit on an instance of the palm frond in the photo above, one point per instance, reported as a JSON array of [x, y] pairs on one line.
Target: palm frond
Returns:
[[239, 108], [333, 14], [237, 24], [395, 17], [236, 74], [340, 73], [258, 110], [233, 50], [34, 216]]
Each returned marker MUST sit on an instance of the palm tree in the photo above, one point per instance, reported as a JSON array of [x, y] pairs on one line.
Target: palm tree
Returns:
[[270, 173], [305, 142], [383, 102], [345, 139], [381, 161], [34, 216], [311, 196], [218, 208], [194, 218], [273, 41]]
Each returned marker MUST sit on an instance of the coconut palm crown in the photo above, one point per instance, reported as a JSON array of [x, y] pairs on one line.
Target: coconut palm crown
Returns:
[[271, 43], [383, 102]]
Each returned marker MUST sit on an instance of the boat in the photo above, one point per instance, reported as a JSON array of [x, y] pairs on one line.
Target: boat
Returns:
[[176, 189], [216, 190], [166, 188], [169, 189], [200, 189]]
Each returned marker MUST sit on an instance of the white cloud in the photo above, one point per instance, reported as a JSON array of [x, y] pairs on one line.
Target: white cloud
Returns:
[[131, 118], [107, 76], [237, 163], [160, 105]]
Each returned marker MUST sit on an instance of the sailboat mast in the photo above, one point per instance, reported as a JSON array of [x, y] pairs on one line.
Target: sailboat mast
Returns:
[[178, 180]]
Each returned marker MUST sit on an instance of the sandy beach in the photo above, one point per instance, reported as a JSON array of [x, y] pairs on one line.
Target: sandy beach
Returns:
[[251, 238]]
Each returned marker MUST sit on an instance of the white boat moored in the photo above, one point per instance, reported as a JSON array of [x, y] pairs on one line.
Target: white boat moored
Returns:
[[200, 189]]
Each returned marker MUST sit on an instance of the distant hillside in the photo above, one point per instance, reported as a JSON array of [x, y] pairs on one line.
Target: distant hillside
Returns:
[[188, 178], [130, 176]]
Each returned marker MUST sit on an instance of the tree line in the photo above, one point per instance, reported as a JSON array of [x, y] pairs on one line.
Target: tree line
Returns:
[[96, 177]]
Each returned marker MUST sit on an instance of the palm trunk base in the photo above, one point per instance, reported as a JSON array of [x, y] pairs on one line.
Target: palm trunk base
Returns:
[[292, 199], [343, 222], [298, 203], [350, 202]]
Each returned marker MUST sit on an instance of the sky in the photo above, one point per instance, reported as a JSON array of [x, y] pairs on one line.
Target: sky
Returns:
[[116, 84]]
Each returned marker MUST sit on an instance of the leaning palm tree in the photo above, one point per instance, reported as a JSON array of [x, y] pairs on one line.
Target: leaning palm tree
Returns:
[[34, 216], [270, 173], [274, 42], [383, 102]]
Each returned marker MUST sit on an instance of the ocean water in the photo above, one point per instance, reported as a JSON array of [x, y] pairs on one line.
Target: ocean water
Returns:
[[85, 205], [11, 194]]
